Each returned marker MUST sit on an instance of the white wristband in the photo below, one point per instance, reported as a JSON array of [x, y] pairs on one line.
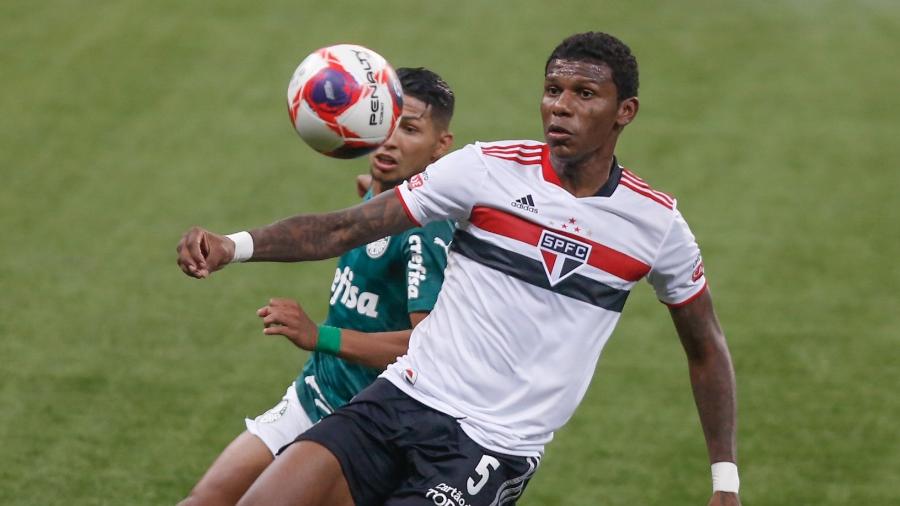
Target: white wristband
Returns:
[[243, 246], [725, 477]]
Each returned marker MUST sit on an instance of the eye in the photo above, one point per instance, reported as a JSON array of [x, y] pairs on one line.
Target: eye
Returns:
[[551, 90], [410, 129], [585, 93]]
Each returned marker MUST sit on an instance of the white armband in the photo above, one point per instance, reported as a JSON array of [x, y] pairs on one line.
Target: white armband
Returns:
[[725, 477], [243, 246]]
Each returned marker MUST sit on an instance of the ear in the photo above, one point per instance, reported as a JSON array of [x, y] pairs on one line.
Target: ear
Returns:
[[445, 142], [628, 109]]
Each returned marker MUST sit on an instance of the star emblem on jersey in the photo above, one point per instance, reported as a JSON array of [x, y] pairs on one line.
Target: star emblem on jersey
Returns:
[[561, 255]]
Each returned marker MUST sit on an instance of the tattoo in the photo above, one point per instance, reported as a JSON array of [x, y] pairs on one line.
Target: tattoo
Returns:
[[320, 236]]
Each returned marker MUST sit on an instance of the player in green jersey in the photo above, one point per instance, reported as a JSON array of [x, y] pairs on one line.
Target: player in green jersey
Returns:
[[379, 293]]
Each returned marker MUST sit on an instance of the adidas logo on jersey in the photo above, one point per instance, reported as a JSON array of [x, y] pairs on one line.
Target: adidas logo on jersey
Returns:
[[526, 203]]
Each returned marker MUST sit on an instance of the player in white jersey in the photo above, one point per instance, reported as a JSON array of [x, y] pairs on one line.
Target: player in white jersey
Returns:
[[552, 236]]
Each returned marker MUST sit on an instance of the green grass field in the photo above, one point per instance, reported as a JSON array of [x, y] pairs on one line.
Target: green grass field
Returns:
[[123, 123]]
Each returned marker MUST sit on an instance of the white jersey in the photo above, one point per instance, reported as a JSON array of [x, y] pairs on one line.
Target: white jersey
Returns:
[[535, 283]]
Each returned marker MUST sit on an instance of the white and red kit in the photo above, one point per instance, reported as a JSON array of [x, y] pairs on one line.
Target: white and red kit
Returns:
[[535, 283]]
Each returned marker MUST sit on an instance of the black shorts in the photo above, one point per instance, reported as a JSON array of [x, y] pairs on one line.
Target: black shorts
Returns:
[[396, 451]]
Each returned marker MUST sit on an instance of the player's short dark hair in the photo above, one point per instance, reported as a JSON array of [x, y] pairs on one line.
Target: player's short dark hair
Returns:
[[602, 47], [430, 88]]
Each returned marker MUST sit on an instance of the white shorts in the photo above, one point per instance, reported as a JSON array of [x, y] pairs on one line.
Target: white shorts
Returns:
[[281, 424]]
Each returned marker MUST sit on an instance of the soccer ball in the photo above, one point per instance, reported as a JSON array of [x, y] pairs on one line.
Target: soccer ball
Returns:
[[344, 100]]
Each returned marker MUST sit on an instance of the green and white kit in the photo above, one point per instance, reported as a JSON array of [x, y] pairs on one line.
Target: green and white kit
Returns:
[[375, 288]]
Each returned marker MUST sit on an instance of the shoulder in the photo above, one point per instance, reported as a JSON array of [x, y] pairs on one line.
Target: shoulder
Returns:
[[641, 191], [652, 212], [524, 152]]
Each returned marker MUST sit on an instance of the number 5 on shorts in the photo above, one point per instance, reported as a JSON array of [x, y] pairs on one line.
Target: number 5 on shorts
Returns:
[[483, 469]]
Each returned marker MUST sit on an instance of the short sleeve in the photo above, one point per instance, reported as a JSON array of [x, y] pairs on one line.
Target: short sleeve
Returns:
[[446, 189], [677, 275], [425, 250]]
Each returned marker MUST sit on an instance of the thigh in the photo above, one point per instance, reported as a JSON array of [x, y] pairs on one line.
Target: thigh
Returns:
[[363, 436], [463, 474], [304, 474], [232, 473]]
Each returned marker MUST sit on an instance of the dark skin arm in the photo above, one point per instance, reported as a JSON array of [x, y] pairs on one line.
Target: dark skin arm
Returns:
[[712, 381], [377, 350], [299, 238]]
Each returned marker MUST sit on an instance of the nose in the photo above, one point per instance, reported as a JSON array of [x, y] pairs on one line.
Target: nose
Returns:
[[391, 141], [562, 105]]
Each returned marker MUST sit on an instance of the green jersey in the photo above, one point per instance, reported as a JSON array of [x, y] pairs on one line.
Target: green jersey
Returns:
[[375, 288]]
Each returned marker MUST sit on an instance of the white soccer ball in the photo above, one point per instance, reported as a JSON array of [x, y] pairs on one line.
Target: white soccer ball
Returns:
[[344, 100]]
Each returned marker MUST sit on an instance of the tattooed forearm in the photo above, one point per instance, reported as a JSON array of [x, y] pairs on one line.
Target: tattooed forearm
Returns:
[[712, 375], [318, 236]]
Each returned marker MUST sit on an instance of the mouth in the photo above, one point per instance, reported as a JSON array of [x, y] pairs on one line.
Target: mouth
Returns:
[[556, 132], [384, 162]]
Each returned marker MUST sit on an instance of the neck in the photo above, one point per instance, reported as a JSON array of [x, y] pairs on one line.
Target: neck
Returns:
[[585, 176]]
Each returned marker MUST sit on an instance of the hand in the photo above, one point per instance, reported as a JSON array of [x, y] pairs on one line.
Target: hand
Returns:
[[363, 183], [201, 252], [725, 499], [285, 317]]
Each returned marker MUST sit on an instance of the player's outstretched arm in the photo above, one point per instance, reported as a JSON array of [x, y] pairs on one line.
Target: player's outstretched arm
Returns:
[[712, 380], [724, 499], [302, 237], [377, 349]]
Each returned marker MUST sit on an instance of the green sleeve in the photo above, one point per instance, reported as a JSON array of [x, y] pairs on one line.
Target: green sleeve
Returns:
[[425, 251]]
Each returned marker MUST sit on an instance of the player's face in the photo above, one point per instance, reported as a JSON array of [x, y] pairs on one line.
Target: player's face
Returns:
[[580, 109], [416, 142]]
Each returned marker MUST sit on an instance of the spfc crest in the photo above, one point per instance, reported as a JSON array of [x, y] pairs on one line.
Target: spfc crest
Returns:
[[561, 255]]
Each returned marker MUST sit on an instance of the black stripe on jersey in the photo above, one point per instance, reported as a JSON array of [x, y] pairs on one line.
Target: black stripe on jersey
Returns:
[[532, 272]]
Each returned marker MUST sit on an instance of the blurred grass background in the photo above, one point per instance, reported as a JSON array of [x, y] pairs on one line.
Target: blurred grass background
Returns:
[[123, 123]]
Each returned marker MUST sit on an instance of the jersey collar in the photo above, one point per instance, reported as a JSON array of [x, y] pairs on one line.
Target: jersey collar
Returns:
[[615, 173]]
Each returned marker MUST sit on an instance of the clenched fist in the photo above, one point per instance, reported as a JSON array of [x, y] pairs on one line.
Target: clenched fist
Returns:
[[201, 252]]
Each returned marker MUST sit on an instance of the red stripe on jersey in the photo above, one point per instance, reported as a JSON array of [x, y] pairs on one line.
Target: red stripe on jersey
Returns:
[[549, 174], [508, 147], [690, 299], [632, 177], [519, 153], [523, 154], [405, 207], [643, 184], [514, 158], [662, 196], [602, 257], [645, 193]]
